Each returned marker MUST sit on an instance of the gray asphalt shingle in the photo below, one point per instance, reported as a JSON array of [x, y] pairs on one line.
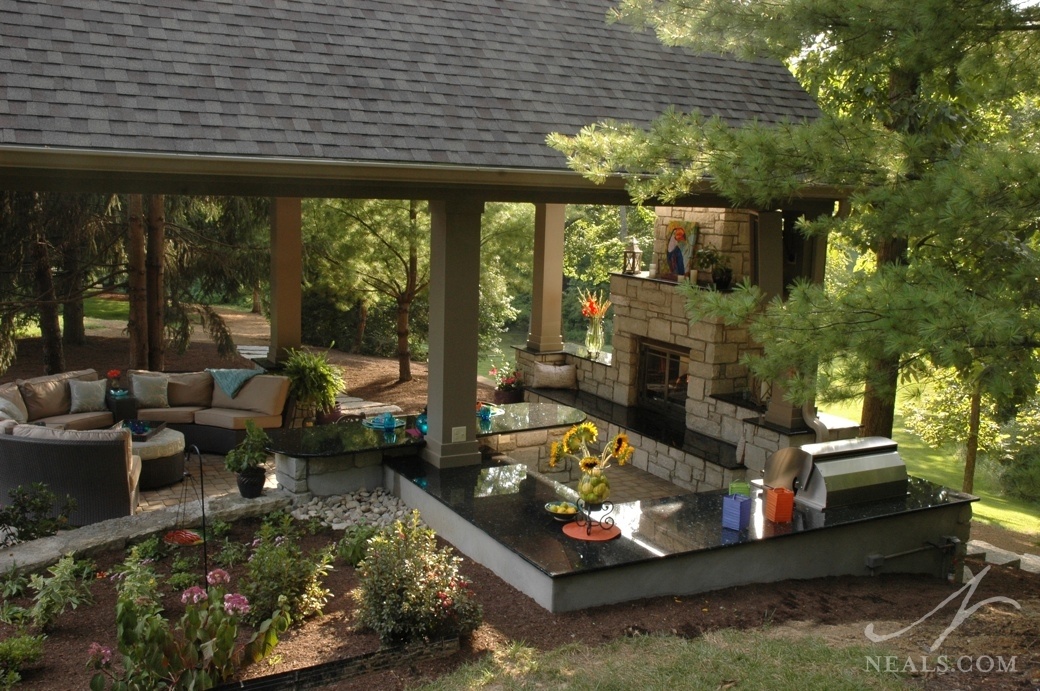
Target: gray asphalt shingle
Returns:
[[401, 81]]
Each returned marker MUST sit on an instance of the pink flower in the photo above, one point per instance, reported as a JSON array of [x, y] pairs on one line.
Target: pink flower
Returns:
[[100, 654], [195, 595], [218, 577], [236, 604]]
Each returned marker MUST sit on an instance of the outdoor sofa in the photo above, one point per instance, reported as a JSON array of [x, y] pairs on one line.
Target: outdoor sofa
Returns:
[[94, 467]]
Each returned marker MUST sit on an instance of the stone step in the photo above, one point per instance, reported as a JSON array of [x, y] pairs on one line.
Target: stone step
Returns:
[[992, 554], [1030, 563]]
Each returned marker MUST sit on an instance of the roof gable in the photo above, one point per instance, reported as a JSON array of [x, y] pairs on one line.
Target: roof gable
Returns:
[[407, 82]]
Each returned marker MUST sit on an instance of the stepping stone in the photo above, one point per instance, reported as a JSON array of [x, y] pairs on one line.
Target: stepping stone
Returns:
[[995, 555], [1030, 563]]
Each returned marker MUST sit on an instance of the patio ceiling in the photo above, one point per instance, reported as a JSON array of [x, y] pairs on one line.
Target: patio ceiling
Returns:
[[360, 98]]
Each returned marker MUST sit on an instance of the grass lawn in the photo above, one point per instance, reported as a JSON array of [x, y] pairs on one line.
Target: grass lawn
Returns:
[[96, 311], [945, 467]]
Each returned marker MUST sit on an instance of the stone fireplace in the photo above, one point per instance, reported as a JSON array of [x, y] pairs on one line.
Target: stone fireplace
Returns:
[[681, 391]]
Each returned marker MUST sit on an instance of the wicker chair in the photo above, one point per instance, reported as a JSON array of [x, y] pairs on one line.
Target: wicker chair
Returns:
[[102, 476]]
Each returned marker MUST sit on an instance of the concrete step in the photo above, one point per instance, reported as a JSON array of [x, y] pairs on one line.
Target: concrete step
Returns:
[[993, 555]]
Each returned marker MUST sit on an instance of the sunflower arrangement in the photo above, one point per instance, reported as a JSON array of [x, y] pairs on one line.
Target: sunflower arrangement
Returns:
[[575, 444]]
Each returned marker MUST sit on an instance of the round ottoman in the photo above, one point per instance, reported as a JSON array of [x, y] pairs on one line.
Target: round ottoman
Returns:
[[162, 459]]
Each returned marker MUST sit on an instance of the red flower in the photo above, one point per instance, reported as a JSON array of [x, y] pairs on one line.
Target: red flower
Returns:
[[114, 374]]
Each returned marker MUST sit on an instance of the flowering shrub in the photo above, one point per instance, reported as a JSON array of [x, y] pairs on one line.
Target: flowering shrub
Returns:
[[199, 652], [506, 379], [282, 577], [411, 591]]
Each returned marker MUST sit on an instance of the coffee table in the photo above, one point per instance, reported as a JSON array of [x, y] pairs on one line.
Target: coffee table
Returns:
[[162, 459]]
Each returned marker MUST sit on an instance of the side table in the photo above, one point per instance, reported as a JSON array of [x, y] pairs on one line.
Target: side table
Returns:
[[122, 407]]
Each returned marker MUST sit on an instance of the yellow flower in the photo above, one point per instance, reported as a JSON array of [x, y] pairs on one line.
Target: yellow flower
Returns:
[[618, 445], [588, 463], [585, 432], [555, 453]]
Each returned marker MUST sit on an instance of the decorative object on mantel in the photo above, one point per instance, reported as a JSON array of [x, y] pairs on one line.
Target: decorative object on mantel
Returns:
[[714, 268], [682, 238], [633, 262], [593, 486], [509, 384], [594, 308]]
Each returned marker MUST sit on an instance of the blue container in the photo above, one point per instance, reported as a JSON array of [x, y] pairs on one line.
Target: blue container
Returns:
[[736, 512]]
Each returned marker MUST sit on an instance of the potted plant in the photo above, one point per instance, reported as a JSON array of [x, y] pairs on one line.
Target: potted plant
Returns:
[[247, 461], [509, 384], [715, 264], [313, 383]]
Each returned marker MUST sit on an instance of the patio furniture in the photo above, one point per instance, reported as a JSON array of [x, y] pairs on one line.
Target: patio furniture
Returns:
[[162, 459], [96, 468]]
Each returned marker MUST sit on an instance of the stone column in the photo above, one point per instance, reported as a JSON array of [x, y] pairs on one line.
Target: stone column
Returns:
[[454, 308], [286, 276], [546, 334]]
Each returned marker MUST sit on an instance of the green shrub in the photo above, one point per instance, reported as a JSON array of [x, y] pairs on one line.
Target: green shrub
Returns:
[[409, 590], [63, 589], [184, 572], [279, 570], [353, 546], [151, 549], [16, 653], [231, 553], [31, 514]]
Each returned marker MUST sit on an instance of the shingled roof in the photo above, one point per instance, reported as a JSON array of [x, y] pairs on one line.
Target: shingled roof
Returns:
[[405, 83]]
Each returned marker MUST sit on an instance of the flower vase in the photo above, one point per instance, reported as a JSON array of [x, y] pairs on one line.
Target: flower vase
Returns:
[[594, 336], [593, 488]]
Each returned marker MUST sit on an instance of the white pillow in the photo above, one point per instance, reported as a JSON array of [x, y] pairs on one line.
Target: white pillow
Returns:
[[150, 390], [554, 376], [10, 411], [87, 396]]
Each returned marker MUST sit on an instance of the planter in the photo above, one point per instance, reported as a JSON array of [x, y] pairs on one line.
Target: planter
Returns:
[[251, 482], [509, 396]]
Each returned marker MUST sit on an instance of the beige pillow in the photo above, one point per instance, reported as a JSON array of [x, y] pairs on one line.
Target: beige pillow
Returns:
[[10, 393], [41, 432], [45, 396], [87, 396], [554, 376], [265, 394], [190, 389], [150, 391]]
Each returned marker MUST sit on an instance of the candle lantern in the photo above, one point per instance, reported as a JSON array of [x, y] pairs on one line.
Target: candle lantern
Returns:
[[633, 258]]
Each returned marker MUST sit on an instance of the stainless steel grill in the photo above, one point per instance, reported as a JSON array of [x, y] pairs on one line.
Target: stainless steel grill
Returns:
[[839, 473]]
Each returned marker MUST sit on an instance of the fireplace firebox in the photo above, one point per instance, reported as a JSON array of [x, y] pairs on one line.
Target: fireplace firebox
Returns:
[[663, 378]]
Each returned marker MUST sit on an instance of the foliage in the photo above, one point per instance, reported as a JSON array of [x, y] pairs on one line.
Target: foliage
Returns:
[[63, 589], [13, 583], [313, 380], [31, 514], [200, 651], [409, 590], [507, 378], [183, 572], [282, 577], [16, 653], [353, 546], [251, 452], [151, 548], [231, 553]]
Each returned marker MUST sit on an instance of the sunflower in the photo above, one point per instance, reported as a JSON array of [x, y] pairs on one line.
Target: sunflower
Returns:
[[619, 444], [588, 463], [586, 432], [555, 453]]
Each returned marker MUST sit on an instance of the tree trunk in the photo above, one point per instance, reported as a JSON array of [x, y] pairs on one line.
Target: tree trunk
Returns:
[[359, 335], [156, 292], [971, 450], [73, 329], [50, 327], [879, 401], [258, 306], [404, 357], [137, 323]]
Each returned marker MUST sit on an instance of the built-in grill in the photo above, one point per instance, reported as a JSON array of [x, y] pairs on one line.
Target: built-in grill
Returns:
[[839, 473]]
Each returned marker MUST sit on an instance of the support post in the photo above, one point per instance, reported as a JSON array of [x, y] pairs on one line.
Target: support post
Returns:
[[286, 276], [546, 332], [454, 309]]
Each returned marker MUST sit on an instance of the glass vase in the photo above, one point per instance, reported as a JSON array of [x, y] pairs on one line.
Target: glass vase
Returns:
[[594, 336], [593, 487]]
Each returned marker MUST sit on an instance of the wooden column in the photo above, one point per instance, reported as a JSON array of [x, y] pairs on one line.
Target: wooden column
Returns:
[[546, 333], [454, 309], [286, 276]]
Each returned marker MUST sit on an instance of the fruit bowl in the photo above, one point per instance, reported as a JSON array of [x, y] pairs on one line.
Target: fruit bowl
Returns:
[[563, 511]]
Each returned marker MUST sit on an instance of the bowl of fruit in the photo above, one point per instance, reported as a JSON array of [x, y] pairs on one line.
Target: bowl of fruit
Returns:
[[562, 511]]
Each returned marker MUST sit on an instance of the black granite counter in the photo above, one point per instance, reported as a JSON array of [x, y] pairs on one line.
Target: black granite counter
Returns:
[[507, 502], [525, 417]]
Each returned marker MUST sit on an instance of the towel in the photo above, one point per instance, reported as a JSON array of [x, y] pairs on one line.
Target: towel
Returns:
[[231, 381]]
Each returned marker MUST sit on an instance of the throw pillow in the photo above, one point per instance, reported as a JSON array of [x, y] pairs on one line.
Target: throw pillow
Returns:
[[9, 411], [87, 396], [10, 392], [149, 390], [231, 381], [554, 376]]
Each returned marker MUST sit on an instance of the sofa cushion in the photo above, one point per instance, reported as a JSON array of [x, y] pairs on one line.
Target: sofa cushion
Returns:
[[265, 394], [80, 421], [10, 393], [178, 415], [41, 432], [49, 395], [233, 418], [6, 426], [87, 396], [150, 390], [190, 389]]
